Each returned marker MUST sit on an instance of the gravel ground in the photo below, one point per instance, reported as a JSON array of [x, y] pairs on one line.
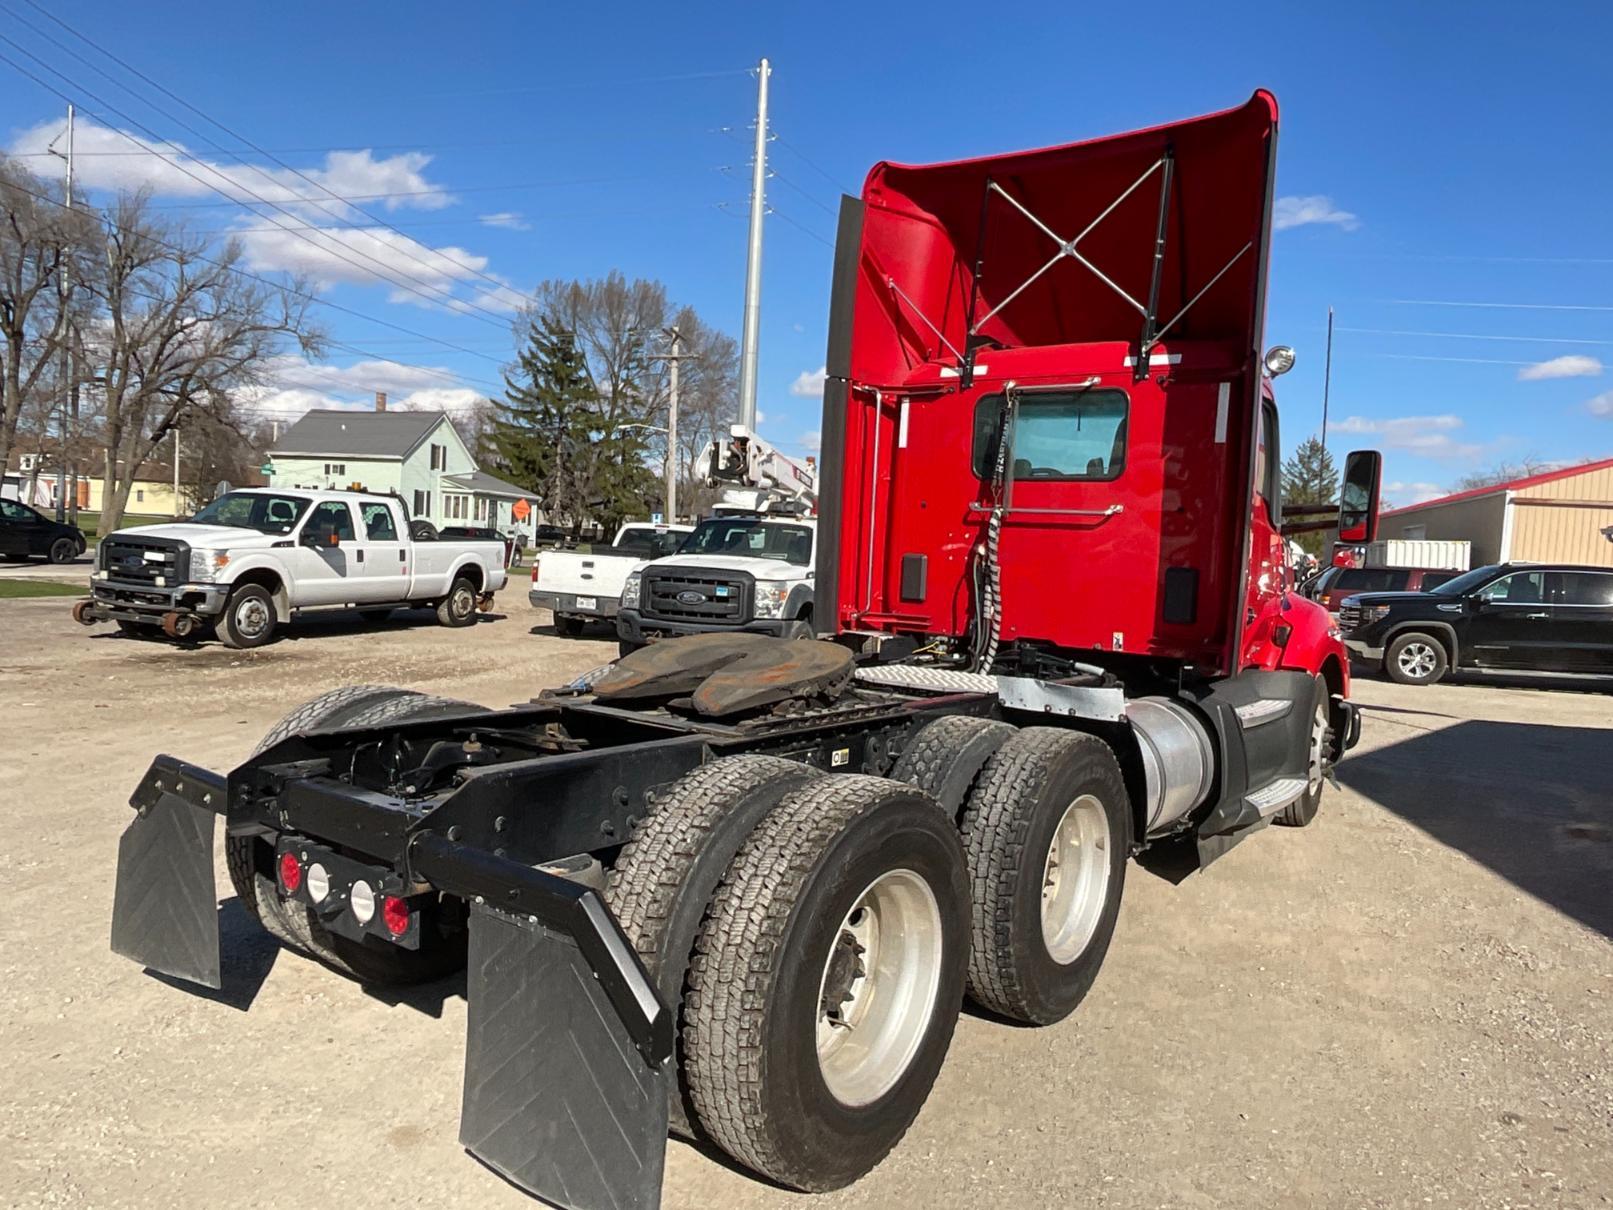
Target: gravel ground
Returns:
[[1409, 1003]]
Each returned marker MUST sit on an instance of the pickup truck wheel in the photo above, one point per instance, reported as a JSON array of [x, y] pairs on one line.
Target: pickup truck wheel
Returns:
[[827, 980], [458, 608], [248, 619], [663, 881], [1415, 658], [1048, 831], [945, 756], [801, 628], [568, 625], [1318, 756], [250, 859], [63, 550]]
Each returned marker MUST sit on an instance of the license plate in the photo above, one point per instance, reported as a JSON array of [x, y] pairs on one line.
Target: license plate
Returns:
[[587, 602]]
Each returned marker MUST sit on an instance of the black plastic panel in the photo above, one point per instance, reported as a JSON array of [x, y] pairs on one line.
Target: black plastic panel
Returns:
[[165, 907]]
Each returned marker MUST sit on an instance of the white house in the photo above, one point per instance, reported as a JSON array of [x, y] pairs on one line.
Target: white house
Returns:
[[415, 454]]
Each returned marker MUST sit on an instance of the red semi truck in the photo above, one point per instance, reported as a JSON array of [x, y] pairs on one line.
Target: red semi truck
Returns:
[[738, 887]]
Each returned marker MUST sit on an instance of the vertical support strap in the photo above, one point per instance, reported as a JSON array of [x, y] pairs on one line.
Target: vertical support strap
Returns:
[[1151, 315]]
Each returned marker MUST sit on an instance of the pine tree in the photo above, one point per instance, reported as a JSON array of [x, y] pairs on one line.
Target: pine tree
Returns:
[[542, 434], [1309, 477]]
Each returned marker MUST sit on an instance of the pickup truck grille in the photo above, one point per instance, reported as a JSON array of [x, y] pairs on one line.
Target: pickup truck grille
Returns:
[[693, 596], [142, 560], [1349, 618]]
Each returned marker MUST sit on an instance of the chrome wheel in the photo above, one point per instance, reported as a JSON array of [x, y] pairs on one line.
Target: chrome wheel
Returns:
[[1417, 660], [1075, 879], [463, 603], [877, 993], [1317, 767], [252, 618]]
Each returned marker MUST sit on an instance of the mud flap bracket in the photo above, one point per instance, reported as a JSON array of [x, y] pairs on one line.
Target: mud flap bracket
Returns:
[[558, 1098]]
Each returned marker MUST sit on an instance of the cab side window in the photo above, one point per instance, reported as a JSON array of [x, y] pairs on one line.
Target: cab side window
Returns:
[[331, 517], [1520, 588], [378, 524], [1585, 588]]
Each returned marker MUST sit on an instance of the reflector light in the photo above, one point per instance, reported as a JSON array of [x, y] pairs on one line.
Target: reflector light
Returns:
[[318, 883], [395, 913], [363, 901], [290, 872]]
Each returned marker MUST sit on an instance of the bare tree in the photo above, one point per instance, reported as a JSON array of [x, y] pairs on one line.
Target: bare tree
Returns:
[[182, 332], [39, 239], [1503, 472], [708, 401]]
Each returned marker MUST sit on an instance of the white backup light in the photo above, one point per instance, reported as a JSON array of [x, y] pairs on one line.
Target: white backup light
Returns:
[[363, 902], [318, 882]]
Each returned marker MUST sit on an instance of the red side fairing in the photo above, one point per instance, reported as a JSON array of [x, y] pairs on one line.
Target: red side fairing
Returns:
[[910, 486]]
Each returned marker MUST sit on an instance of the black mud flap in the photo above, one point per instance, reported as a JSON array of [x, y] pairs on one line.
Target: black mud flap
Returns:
[[557, 1097], [165, 908]]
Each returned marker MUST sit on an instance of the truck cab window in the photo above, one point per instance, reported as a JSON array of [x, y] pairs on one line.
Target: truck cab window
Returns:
[[1078, 435], [331, 517], [378, 526], [1268, 479]]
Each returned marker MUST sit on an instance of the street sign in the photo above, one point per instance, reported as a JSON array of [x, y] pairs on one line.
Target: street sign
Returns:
[[267, 468], [521, 509]]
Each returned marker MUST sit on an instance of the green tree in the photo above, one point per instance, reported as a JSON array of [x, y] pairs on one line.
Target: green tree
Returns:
[[1309, 477], [543, 421]]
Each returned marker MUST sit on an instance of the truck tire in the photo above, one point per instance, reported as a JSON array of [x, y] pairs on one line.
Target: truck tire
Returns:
[[1415, 658], [665, 877], [1048, 830], [568, 625], [945, 756], [248, 619], [1303, 809], [63, 550], [250, 859], [458, 608], [801, 628], [847, 909]]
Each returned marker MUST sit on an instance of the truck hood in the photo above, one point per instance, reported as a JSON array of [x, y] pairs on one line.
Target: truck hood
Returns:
[[1398, 598], [220, 536], [760, 569]]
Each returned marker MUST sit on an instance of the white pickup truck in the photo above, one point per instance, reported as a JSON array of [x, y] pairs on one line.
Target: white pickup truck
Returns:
[[585, 583], [253, 559]]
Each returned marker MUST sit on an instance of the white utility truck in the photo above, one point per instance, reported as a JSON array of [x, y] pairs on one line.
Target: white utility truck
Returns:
[[747, 568], [255, 558], [584, 584]]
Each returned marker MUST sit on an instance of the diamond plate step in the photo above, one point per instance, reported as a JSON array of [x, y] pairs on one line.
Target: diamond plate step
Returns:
[[934, 680]]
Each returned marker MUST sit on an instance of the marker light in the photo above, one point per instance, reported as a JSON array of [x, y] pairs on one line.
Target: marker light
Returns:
[[290, 872], [318, 882], [363, 902], [395, 914], [1279, 360]]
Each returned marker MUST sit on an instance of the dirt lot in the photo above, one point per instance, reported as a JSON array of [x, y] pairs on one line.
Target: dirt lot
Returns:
[[1409, 1003]]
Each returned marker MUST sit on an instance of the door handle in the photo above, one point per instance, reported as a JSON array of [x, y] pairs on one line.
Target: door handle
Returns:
[[360, 556], [1534, 616], [400, 556]]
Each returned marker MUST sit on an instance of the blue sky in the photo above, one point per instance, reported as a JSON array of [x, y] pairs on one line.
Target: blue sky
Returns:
[[1448, 168]]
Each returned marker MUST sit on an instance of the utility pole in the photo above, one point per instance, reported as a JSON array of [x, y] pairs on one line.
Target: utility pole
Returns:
[[69, 404], [1327, 376], [672, 429], [753, 259], [176, 470]]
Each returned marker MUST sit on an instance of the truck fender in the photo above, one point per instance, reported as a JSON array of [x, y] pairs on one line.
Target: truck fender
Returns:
[[257, 569], [799, 602], [468, 565], [1443, 631]]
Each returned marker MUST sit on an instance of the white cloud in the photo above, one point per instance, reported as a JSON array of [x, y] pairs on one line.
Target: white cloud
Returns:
[[809, 383], [1412, 493], [292, 386], [798, 327], [1602, 405], [761, 417], [1314, 208], [512, 220], [116, 159], [1429, 436], [1574, 365], [811, 442]]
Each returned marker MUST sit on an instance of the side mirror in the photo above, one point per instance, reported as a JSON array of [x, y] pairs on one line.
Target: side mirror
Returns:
[[335, 539], [1358, 497]]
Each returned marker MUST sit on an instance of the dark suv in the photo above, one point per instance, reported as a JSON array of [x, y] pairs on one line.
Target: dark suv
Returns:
[[1544, 617], [1330, 588]]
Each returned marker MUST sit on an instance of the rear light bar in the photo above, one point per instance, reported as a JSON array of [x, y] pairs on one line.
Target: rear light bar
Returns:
[[290, 873], [348, 896]]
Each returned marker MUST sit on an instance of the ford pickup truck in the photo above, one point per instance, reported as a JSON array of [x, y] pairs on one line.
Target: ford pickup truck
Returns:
[[254, 559], [584, 584]]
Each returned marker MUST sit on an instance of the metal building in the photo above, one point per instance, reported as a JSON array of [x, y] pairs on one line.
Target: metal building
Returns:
[[1560, 516]]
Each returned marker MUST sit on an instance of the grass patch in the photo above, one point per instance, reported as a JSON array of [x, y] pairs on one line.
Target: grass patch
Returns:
[[40, 588]]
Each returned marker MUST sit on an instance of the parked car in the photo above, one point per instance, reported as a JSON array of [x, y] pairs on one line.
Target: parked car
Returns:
[[1542, 617], [254, 559], [584, 584], [1334, 584], [26, 534]]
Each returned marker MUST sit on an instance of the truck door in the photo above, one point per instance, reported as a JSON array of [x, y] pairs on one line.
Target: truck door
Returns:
[[384, 574], [326, 574], [1512, 626], [1582, 618]]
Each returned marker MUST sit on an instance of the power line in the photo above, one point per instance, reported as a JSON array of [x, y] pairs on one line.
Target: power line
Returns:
[[485, 316], [1501, 306], [1557, 340], [446, 193], [256, 147], [813, 164], [804, 230], [809, 197]]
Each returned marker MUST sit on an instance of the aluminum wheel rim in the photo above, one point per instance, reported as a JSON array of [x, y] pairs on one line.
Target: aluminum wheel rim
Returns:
[[1075, 879], [251, 616], [1416, 659], [464, 602], [1318, 762], [883, 970]]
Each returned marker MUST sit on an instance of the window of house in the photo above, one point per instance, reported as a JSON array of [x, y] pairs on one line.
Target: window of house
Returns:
[[1057, 436], [378, 524], [139, 496], [439, 457], [336, 468], [419, 503], [1414, 533]]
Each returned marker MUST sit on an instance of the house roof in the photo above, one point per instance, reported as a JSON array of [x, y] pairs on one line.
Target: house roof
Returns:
[[481, 481], [1511, 485], [357, 434]]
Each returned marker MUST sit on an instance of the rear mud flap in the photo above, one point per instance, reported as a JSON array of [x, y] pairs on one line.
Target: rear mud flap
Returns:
[[165, 908], [557, 1098]]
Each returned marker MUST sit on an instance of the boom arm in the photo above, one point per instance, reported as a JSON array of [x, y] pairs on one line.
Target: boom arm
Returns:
[[768, 477]]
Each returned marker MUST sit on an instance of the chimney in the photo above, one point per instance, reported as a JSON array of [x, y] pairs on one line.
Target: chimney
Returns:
[[380, 401]]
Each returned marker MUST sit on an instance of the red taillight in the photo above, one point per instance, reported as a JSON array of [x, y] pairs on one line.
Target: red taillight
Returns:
[[534, 571], [290, 872], [395, 914]]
